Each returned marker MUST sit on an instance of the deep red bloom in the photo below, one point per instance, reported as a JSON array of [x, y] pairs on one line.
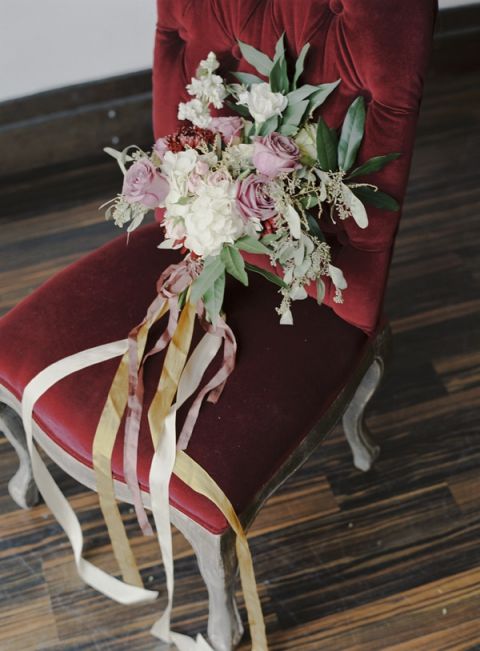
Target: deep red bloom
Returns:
[[189, 136]]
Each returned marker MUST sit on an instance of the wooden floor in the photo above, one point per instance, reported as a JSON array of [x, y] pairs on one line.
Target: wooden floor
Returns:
[[344, 560]]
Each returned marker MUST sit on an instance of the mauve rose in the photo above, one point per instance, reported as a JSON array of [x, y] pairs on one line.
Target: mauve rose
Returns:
[[228, 127], [253, 198], [274, 154], [143, 184], [160, 147]]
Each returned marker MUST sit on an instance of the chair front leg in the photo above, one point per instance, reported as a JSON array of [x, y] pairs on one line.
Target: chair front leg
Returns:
[[22, 487], [217, 561], [365, 451]]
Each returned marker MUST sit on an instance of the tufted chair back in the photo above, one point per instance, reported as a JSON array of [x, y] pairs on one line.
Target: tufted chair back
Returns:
[[378, 48]]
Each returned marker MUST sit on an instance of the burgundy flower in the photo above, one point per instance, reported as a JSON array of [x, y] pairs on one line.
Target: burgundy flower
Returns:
[[189, 136], [274, 154], [253, 198]]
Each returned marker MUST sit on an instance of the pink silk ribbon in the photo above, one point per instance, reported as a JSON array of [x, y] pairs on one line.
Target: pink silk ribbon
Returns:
[[215, 386], [172, 282]]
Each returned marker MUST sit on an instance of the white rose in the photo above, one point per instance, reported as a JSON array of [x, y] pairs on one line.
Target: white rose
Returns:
[[262, 102], [212, 219], [196, 112], [306, 140]]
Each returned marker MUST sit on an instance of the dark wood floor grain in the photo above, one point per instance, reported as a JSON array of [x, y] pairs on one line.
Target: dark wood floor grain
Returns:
[[344, 560]]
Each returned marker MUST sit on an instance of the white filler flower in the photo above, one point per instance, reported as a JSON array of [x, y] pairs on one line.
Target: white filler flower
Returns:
[[212, 219], [196, 112], [262, 103]]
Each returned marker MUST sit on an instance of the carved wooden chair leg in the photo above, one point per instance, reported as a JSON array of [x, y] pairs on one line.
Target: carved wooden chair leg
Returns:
[[365, 451], [21, 486], [217, 561]]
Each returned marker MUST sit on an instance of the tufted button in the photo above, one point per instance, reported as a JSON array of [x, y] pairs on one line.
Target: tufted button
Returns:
[[236, 52], [336, 6], [367, 96]]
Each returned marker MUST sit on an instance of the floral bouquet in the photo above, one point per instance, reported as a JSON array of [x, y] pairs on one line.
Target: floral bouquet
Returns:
[[260, 182]]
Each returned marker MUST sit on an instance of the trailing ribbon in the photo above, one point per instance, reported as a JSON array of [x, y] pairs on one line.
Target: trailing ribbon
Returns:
[[53, 496], [178, 377], [215, 387], [173, 281]]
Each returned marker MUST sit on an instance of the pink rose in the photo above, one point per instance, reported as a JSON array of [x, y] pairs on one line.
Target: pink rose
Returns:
[[253, 198], [160, 147], [144, 184], [228, 127], [274, 154]]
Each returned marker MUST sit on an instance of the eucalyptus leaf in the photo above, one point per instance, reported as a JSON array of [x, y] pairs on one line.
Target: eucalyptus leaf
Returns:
[[213, 298], [251, 245], [376, 198], [355, 206], [322, 93], [213, 269], [300, 63], [373, 164], [303, 92], [326, 147], [248, 79], [279, 76], [240, 109], [309, 201], [314, 227], [293, 221], [280, 47], [287, 129], [234, 264], [293, 114], [352, 134], [320, 291], [273, 278], [267, 127], [257, 59], [271, 237]]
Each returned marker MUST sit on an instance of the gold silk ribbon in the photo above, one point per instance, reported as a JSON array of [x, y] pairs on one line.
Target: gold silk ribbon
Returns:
[[103, 444], [197, 478], [178, 377]]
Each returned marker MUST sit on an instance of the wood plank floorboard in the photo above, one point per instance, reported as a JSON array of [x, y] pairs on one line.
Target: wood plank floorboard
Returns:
[[345, 561]]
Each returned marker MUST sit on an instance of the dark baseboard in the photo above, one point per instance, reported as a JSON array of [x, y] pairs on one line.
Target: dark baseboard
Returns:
[[69, 127]]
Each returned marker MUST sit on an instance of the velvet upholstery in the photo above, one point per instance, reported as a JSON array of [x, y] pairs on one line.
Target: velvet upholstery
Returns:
[[378, 48], [284, 379]]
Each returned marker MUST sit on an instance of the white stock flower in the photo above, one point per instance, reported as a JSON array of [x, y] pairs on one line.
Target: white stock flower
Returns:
[[209, 89], [208, 65], [262, 102], [196, 112], [212, 219]]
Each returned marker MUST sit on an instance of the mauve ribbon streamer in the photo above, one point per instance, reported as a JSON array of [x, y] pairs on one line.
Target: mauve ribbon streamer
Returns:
[[173, 281]]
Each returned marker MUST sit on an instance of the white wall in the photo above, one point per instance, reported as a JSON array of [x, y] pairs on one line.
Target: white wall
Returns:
[[52, 43]]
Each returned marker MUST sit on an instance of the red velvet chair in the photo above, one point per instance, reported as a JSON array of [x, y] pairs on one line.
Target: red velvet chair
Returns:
[[291, 384]]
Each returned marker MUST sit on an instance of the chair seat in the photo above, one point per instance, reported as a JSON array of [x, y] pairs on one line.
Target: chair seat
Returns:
[[285, 378]]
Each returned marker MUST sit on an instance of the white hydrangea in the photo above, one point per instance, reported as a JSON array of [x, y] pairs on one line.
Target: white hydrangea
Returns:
[[212, 219], [196, 112], [262, 102]]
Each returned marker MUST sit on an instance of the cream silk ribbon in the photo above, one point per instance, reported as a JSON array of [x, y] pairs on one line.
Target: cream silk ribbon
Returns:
[[165, 460]]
